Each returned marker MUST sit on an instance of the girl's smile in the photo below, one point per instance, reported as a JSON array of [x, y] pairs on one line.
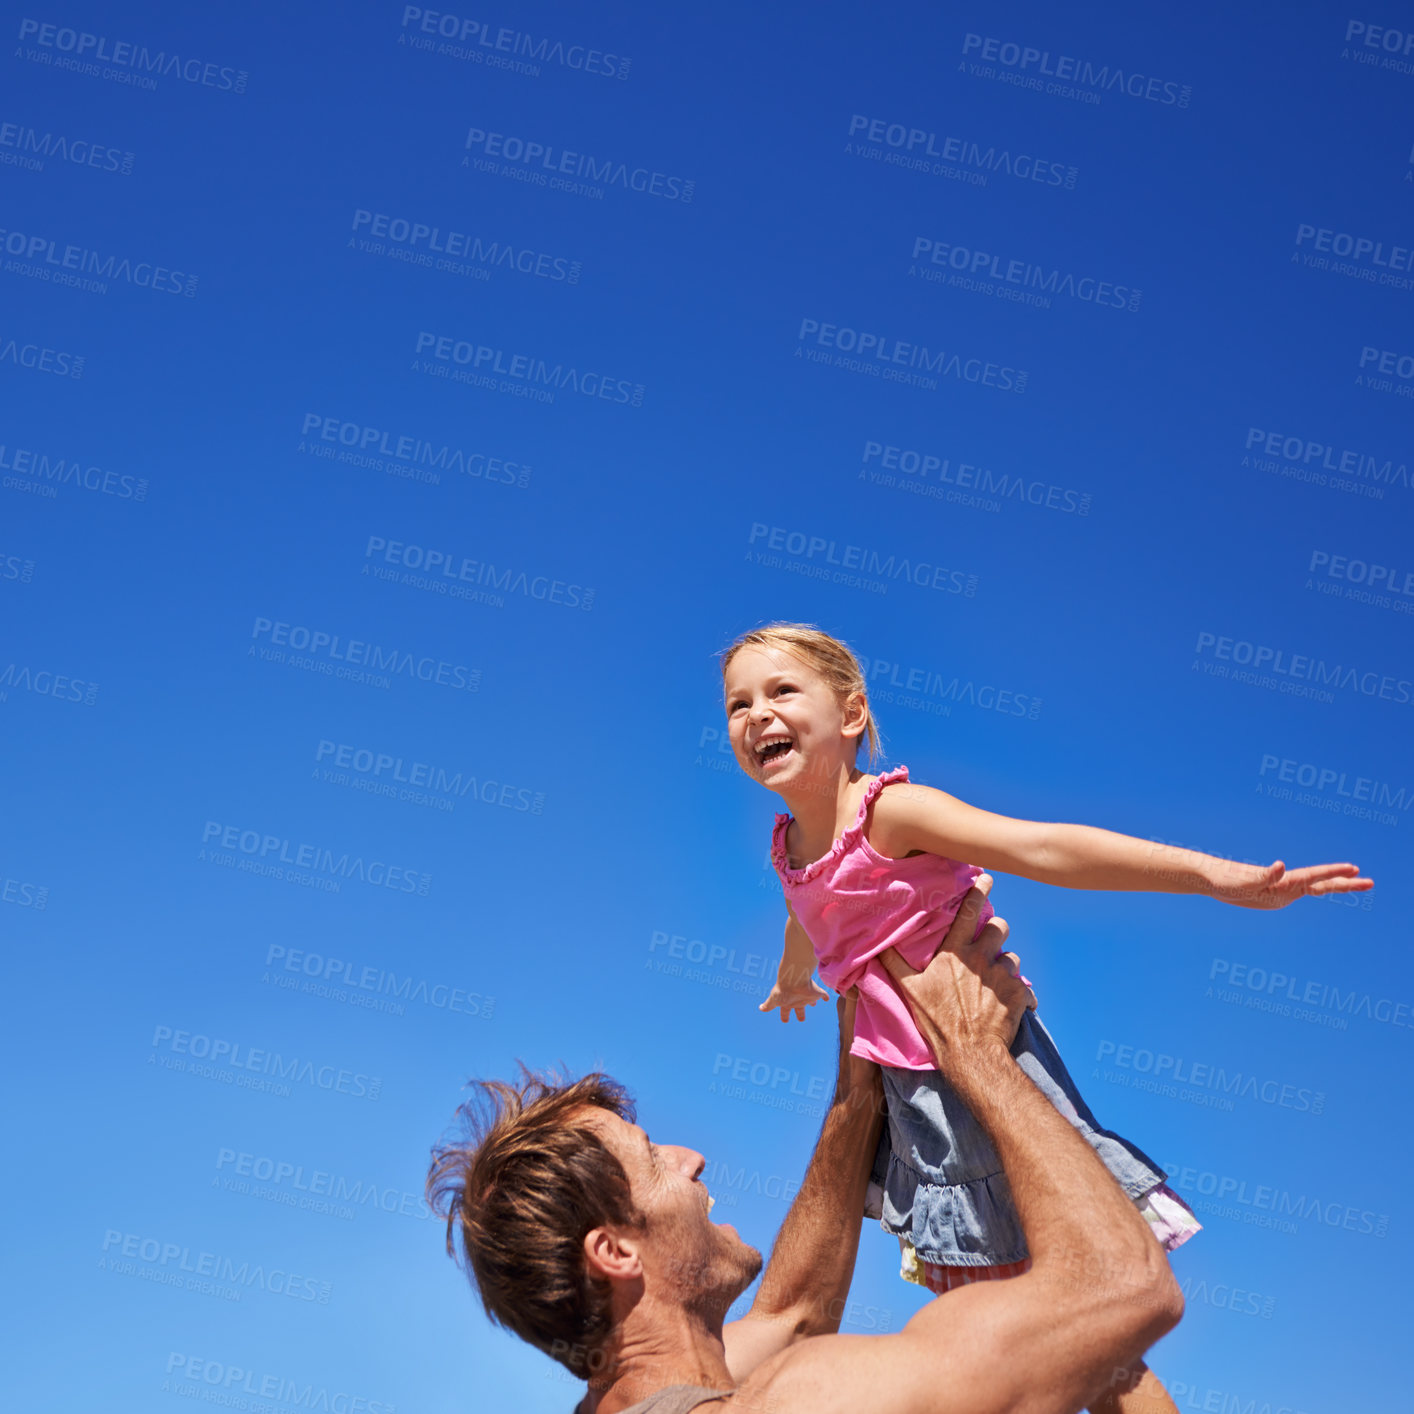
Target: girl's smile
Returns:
[[772, 748]]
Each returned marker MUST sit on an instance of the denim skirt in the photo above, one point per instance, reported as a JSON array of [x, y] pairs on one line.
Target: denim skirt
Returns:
[[937, 1179]]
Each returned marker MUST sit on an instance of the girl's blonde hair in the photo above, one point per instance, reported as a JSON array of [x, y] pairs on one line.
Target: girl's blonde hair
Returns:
[[830, 657]]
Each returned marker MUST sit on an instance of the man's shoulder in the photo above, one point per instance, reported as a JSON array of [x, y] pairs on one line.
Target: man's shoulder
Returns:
[[816, 1375]]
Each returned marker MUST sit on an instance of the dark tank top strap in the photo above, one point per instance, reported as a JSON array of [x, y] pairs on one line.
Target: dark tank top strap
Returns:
[[676, 1399]]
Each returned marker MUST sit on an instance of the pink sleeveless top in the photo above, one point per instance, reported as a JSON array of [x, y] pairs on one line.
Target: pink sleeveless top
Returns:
[[854, 903]]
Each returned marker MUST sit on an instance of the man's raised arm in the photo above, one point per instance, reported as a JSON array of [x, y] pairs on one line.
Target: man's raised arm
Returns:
[[1099, 1291], [807, 1279]]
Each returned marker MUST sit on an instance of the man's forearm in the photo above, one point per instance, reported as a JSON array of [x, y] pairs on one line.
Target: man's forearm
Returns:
[[1048, 1342], [812, 1262], [1067, 1199], [1096, 1271]]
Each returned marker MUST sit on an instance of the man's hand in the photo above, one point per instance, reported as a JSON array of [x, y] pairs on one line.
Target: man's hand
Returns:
[[1275, 886], [971, 995]]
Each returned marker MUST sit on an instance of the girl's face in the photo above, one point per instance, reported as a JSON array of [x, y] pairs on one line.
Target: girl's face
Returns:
[[784, 721]]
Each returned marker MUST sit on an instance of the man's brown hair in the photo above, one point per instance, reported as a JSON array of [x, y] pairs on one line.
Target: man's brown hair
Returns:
[[523, 1185]]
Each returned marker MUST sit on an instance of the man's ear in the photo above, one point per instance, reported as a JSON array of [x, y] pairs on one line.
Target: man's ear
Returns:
[[610, 1253]]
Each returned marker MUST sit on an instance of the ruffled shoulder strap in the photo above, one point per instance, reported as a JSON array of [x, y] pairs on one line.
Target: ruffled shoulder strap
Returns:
[[852, 835], [846, 841], [899, 773], [778, 842]]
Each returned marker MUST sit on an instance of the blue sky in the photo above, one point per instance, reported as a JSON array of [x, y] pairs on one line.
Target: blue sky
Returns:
[[221, 638]]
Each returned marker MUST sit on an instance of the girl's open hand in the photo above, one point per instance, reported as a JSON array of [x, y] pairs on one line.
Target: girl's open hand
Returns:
[[1252, 886], [794, 995]]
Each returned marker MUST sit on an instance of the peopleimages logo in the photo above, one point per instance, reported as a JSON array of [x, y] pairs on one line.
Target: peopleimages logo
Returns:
[[1221, 1401], [219, 1382], [69, 471], [1348, 568], [43, 682], [1383, 47], [1169, 1071], [1040, 63], [908, 686], [44, 258], [23, 895], [1266, 1205], [450, 567], [420, 782], [320, 972], [86, 51], [1301, 668], [919, 149], [316, 1184], [527, 369], [880, 354], [1340, 792], [1281, 988], [416, 458], [897, 568], [981, 268], [1388, 361], [1226, 1297], [255, 1062], [28, 148], [44, 360], [1370, 259], [778, 1079], [172, 1259], [322, 649], [917, 468], [1316, 457], [543, 164], [420, 242], [464, 38], [280, 857]]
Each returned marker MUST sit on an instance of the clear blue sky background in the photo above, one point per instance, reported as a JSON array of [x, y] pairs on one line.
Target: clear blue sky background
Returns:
[[551, 918]]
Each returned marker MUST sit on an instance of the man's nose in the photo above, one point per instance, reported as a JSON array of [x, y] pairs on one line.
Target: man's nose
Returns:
[[688, 1161]]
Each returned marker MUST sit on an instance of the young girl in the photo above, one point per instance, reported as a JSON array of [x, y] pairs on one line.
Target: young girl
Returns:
[[873, 862]]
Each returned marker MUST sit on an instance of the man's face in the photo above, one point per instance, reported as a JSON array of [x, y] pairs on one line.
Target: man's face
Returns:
[[702, 1265]]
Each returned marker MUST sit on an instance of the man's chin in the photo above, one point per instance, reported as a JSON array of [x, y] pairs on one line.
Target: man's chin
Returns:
[[749, 1262], [746, 1268], [756, 1265], [746, 1261]]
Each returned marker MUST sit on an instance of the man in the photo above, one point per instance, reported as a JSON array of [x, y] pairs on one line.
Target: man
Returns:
[[594, 1244]]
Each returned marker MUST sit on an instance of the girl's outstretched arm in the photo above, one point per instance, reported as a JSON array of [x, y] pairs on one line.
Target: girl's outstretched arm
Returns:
[[910, 817], [795, 987]]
